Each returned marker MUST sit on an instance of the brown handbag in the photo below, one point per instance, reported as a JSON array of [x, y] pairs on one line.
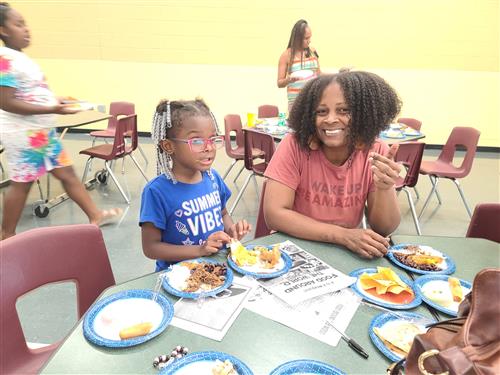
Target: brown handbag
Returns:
[[469, 344]]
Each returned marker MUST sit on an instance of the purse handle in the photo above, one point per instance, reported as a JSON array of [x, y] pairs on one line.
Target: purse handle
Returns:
[[423, 357]]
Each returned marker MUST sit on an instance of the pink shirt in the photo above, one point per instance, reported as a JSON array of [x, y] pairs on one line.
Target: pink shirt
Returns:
[[323, 191]]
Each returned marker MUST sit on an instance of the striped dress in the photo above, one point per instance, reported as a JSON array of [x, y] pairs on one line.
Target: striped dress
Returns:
[[293, 88]]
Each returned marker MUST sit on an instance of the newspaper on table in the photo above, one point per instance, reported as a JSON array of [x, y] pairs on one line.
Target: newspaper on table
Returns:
[[309, 277], [309, 317], [213, 316]]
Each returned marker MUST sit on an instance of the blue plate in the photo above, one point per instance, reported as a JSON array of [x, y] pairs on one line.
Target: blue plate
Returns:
[[450, 264], [400, 135], [179, 293], [370, 298], [380, 320], [306, 366], [262, 275], [89, 321], [422, 280], [184, 362]]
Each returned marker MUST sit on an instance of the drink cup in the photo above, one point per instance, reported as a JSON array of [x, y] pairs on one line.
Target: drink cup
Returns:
[[251, 120]]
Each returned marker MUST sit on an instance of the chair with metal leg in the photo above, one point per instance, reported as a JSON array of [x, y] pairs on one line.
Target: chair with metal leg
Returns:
[[116, 110], [232, 126], [126, 128], [410, 156], [268, 110], [443, 167], [41, 256], [264, 143]]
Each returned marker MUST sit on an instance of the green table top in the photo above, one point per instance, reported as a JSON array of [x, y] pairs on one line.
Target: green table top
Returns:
[[261, 343]]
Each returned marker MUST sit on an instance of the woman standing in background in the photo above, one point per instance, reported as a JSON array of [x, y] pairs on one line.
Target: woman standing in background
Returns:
[[298, 63]]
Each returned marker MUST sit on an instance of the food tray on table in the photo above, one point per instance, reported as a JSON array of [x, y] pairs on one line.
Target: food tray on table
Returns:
[[108, 317], [203, 363], [176, 277], [399, 332], [306, 367], [435, 291], [428, 259], [259, 272], [387, 300]]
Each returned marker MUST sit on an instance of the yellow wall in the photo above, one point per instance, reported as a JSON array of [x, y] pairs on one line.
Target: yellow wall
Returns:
[[442, 56]]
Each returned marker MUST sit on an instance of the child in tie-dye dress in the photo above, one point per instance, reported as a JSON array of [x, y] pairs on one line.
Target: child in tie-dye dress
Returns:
[[27, 108]]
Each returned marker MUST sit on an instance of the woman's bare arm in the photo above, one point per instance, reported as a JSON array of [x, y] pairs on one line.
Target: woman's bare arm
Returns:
[[280, 216]]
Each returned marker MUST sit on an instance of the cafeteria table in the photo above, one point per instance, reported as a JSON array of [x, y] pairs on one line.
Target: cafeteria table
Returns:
[[261, 343], [42, 207]]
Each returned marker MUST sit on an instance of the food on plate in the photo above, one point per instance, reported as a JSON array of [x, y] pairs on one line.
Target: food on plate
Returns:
[[398, 336], [136, 330], [456, 289], [195, 277], [259, 256], [447, 294], [223, 368], [420, 258], [386, 284], [241, 256], [392, 133]]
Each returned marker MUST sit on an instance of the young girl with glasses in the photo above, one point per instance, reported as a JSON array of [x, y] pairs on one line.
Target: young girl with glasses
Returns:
[[183, 210]]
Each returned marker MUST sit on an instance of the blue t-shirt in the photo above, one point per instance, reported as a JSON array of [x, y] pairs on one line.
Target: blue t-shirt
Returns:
[[186, 214]]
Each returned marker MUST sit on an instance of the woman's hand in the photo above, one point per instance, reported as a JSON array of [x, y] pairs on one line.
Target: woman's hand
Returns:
[[385, 169], [240, 229], [365, 242], [214, 242]]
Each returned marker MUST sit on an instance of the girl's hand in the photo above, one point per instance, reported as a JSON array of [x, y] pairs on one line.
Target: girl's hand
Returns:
[[64, 109], [291, 79], [214, 242], [385, 169], [240, 229], [365, 242]]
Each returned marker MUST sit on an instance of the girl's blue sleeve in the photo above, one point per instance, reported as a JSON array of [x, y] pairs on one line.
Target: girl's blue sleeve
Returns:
[[153, 208]]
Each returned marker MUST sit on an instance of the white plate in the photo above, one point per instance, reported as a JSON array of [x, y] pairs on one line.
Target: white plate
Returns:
[[443, 287], [124, 313]]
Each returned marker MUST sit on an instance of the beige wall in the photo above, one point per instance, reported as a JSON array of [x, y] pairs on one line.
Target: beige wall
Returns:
[[442, 56]]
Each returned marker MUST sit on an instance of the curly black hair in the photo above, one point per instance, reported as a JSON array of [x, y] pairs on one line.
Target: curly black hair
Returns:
[[373, 104]]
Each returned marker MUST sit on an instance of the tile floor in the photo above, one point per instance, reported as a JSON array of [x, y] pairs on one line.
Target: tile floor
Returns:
[[49, 313]]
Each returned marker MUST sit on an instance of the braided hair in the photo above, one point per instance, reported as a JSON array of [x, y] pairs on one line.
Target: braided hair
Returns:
[[373, 104], [167, 119], [4, 10], [295, 43]]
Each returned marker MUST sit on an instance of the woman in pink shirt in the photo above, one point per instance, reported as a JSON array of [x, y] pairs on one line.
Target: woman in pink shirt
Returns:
[[322, 176]]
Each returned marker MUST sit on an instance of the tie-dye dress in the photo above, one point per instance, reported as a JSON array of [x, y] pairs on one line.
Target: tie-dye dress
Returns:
[[30, 141], [307, 63]]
